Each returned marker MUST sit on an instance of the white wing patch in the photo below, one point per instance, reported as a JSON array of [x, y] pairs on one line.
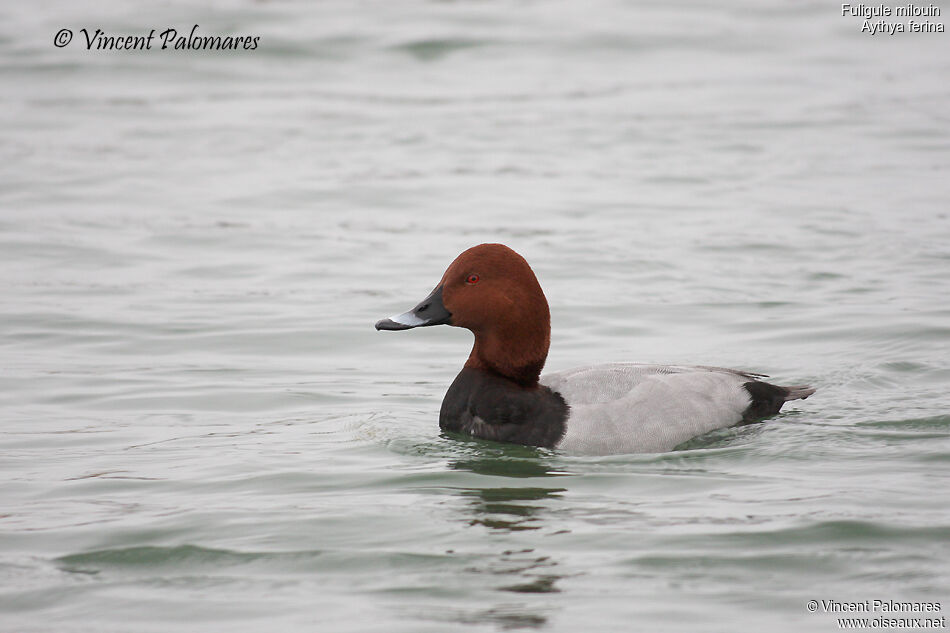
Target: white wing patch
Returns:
[[635, 408]]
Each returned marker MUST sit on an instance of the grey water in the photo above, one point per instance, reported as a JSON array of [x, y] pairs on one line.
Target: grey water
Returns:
[[200, 430]]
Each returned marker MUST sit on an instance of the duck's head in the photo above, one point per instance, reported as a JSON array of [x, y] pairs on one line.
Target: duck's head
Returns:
[[492, 291]]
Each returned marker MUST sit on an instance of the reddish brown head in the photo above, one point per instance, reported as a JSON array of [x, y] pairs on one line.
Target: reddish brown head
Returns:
[[492, 291]]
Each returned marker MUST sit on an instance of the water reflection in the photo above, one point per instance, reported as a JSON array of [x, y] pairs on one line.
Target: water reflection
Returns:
[[507, 618], [507, 511], [501, 460], [507, 467], [504, 508], [525, 572]]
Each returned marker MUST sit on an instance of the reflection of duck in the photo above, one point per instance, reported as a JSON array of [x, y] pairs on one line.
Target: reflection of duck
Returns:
[[601, 409], [511, 510], [505, 510], [499, 460], [498, 508]]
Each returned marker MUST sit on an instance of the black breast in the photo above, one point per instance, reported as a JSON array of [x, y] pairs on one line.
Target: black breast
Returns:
[[489, 406]]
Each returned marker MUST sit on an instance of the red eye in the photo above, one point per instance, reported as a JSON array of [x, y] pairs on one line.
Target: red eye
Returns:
[[471, 280]]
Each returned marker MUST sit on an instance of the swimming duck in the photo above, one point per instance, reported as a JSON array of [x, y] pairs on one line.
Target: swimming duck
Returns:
[[596, 410]]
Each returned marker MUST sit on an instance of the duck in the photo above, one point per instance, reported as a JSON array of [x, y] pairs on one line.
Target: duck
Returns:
[[602, 409]]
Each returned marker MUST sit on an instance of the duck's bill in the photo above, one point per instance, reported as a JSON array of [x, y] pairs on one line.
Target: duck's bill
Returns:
[[430, 311]]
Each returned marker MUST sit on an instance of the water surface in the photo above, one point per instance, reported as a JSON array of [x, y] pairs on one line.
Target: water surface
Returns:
[[202, 431]]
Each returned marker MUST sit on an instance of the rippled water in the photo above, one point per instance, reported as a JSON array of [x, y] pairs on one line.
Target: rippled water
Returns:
[[202, 431]]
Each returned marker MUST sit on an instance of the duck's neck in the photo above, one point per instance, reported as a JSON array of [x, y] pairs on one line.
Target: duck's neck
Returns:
[[517, 353]]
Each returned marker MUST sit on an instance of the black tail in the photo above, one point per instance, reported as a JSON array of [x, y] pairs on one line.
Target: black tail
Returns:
[[798, 392], [767, 399]]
